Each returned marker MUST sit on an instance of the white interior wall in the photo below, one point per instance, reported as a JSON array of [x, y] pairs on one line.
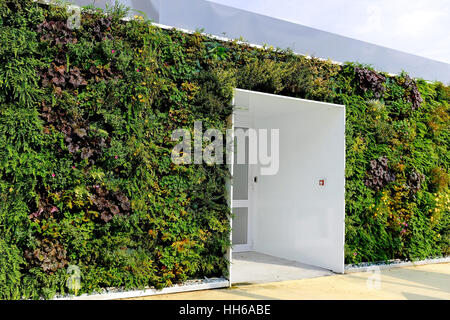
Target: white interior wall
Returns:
[[293, 216]]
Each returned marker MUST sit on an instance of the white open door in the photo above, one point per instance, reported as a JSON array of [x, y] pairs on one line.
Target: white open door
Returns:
[[297, 213]]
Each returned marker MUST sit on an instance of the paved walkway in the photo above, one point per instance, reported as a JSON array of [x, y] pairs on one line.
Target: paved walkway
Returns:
[[419, 282], [253, 267]]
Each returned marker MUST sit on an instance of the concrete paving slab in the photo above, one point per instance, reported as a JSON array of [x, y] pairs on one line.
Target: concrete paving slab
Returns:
[[253, 267]]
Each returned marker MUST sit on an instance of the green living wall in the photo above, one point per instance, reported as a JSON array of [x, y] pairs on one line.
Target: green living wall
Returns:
[[86, 177]]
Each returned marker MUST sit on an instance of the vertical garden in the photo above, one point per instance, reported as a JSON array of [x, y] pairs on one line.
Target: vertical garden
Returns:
[[86, 177]]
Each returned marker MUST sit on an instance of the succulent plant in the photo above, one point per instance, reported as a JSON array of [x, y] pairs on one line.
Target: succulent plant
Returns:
[[370, 80], [412, 92], [101, 27], [415, 181], [379, 174], [56, 32], [109, 203], [58, 76], [78, 136], [49, 255]]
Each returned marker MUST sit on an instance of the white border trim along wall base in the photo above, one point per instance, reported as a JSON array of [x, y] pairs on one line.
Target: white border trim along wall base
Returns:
[[200, 285], [393, 264]]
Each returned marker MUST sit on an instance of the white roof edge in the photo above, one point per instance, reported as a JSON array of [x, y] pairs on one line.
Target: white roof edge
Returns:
[[163, 14], [329, 104]]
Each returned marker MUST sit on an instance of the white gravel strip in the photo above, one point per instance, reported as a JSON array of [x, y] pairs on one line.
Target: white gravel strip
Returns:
[[113, 293], [383, 265]]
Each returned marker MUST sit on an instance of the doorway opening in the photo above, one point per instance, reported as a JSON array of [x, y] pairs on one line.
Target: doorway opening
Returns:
[[288, 222]]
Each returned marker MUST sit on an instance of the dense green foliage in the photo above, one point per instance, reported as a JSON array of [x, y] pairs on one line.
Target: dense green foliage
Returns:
[[86, 177]]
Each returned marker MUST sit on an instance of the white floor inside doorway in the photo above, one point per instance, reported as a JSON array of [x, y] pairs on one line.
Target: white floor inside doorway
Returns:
[[254, 267]]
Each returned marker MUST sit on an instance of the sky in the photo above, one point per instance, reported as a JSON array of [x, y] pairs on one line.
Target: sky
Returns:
[[420, 27]]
